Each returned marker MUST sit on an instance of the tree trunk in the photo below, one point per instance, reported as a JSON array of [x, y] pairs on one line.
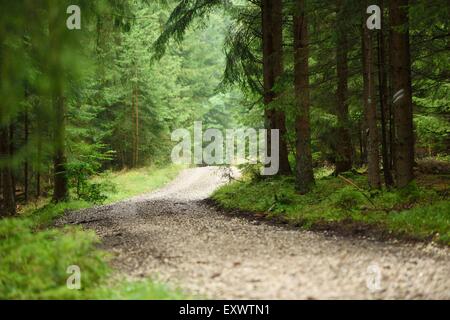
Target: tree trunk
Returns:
[[402, 90], [60, 192], [25, 166], [384, 104], [60, 189], [272, 25], [11, 153], [363, 133], [137, 128], [344, 148], [9, 204], [38, 166], [133, 129], [370, 108], [305, 174], [38, 185]]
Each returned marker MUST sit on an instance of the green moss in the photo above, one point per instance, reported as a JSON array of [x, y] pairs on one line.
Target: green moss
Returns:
[[33, 265], [415, 211], [427, 221], [347, 198]]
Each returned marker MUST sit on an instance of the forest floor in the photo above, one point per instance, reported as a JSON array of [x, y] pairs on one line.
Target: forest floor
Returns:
[[174, 235]]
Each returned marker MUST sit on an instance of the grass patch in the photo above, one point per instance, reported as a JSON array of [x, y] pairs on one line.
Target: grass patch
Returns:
[[139, 290], [33, 265], [135, 182], [34, 257], [417, 212], [44, 213]]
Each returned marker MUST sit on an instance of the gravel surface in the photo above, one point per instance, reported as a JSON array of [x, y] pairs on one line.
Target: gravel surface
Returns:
[[173, 236]]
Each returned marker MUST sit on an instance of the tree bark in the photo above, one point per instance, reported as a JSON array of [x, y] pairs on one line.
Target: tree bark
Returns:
[[137, 127], [25, 165], [384, 104], [370, 108], [133, 128], [272, 25], [9, 204], [362, 140], [60, 189], [11, 153], [402, 92], [38, 166], [344, 148], [305, 174], [60, 192]]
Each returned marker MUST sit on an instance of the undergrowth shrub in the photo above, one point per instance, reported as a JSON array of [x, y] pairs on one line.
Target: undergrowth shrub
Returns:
[[79, 174], [33, 264], [251, 172], [347, 198], [429, 221]]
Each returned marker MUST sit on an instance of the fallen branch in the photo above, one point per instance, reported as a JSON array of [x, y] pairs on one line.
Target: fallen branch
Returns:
[[350, 182]]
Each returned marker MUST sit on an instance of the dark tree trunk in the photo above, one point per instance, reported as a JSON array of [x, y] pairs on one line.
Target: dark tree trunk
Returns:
[[137, 127], [38, 184], [370, 108], [391, 112], [362, 142], [402, 92], [60, 192], [272, 25], [305, 174], [9, 204], [39, 160], [344, 148], [25, 166], [60, 188], [12, 151], [133, 117], [384, 104]]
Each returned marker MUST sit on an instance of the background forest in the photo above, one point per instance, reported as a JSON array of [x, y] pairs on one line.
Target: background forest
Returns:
[[365, 112], [95, 98]]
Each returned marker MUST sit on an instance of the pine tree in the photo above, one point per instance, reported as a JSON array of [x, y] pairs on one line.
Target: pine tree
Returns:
[[402, 91], [305, 174], [344, 148], [272, 39], [370, 110], [56, 37]]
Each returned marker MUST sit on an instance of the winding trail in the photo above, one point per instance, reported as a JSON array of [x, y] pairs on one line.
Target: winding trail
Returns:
[[174, 236]]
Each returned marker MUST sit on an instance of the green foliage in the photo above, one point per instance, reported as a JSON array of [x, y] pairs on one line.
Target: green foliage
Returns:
[[251, 172], [33, 264], [140, 290], [411, 193], [79, 173], [134, 182], [427, 222], [433, 133], [45, 213], [416, 211], [120, 106], [347, 198], [34, 258], [182, 16]]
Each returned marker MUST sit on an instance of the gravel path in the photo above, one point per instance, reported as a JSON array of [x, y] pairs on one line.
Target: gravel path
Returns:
[[174, 236]]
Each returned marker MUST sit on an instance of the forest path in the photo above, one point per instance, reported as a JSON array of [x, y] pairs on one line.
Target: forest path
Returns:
[[173, 236]]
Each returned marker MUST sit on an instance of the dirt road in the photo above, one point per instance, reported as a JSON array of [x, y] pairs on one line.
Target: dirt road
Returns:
[[174, 236]]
